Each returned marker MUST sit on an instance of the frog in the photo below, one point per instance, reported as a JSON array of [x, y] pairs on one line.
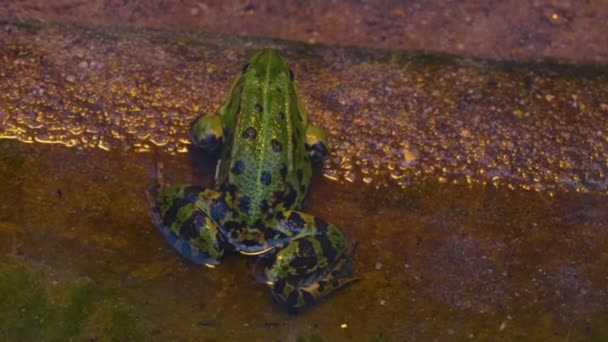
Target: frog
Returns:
[[267, 149]]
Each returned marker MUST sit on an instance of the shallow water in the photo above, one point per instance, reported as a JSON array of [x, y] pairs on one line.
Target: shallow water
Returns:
[[436, 260]]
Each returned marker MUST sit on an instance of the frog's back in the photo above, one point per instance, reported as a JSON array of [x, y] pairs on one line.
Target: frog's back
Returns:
[[268, 163]]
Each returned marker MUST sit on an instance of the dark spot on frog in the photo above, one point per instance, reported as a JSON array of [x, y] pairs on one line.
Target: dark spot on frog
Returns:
[[329, 251], [283, 170], [320, 225], [230, 188], [307, 257], [265, 178], [259, 225], [294, 139], [171, 214], [238, 167], [245, 67], [191, 228], [250, 133], [291, 75], [276, 145], [290, 198], [244, 203], [258, 107], [191, 193], [303, 188], [300, 175], [264, 206], [233, 228], [280, 216], [218, 210], [295, 222], [281, 115]]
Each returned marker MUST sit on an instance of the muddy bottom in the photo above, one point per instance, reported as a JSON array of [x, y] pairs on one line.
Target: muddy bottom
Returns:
[[80, 258]]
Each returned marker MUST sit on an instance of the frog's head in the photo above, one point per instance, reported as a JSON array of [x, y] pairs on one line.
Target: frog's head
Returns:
[[268, 60]]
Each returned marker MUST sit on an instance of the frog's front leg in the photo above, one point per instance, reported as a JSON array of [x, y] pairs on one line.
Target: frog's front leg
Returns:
[[207, 132], [312, 264], [316, 143], [182, 216]]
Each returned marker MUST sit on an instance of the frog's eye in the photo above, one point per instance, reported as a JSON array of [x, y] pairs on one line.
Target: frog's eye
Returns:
[[245, 67], [291, 74]]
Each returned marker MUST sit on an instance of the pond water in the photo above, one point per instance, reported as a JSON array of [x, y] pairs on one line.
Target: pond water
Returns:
[[81, 258]]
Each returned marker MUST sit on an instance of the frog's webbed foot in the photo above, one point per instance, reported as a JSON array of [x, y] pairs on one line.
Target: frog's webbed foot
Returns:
[[207, 132], [185, 224], [316, 143], [311, 265]]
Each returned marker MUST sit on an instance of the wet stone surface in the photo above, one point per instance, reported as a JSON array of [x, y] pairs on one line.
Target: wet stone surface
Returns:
[[390, 116]]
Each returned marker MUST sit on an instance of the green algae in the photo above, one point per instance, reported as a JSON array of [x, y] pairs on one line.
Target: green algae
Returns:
[[42, 304], [24, 307]]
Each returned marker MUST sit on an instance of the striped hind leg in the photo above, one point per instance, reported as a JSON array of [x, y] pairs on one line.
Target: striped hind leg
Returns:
[[177, 213], [313, 264]]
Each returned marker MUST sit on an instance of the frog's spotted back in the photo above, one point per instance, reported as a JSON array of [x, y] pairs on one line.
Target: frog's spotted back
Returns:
[[266, 141]]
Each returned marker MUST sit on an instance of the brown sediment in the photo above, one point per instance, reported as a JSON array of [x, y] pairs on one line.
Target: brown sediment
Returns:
[[476, 192]]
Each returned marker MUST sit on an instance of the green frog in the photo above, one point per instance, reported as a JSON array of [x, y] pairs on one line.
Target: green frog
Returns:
[[264, 171]]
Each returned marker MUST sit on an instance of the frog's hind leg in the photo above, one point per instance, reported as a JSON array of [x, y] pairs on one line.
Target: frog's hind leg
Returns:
[[311, 265], [184, 225]]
